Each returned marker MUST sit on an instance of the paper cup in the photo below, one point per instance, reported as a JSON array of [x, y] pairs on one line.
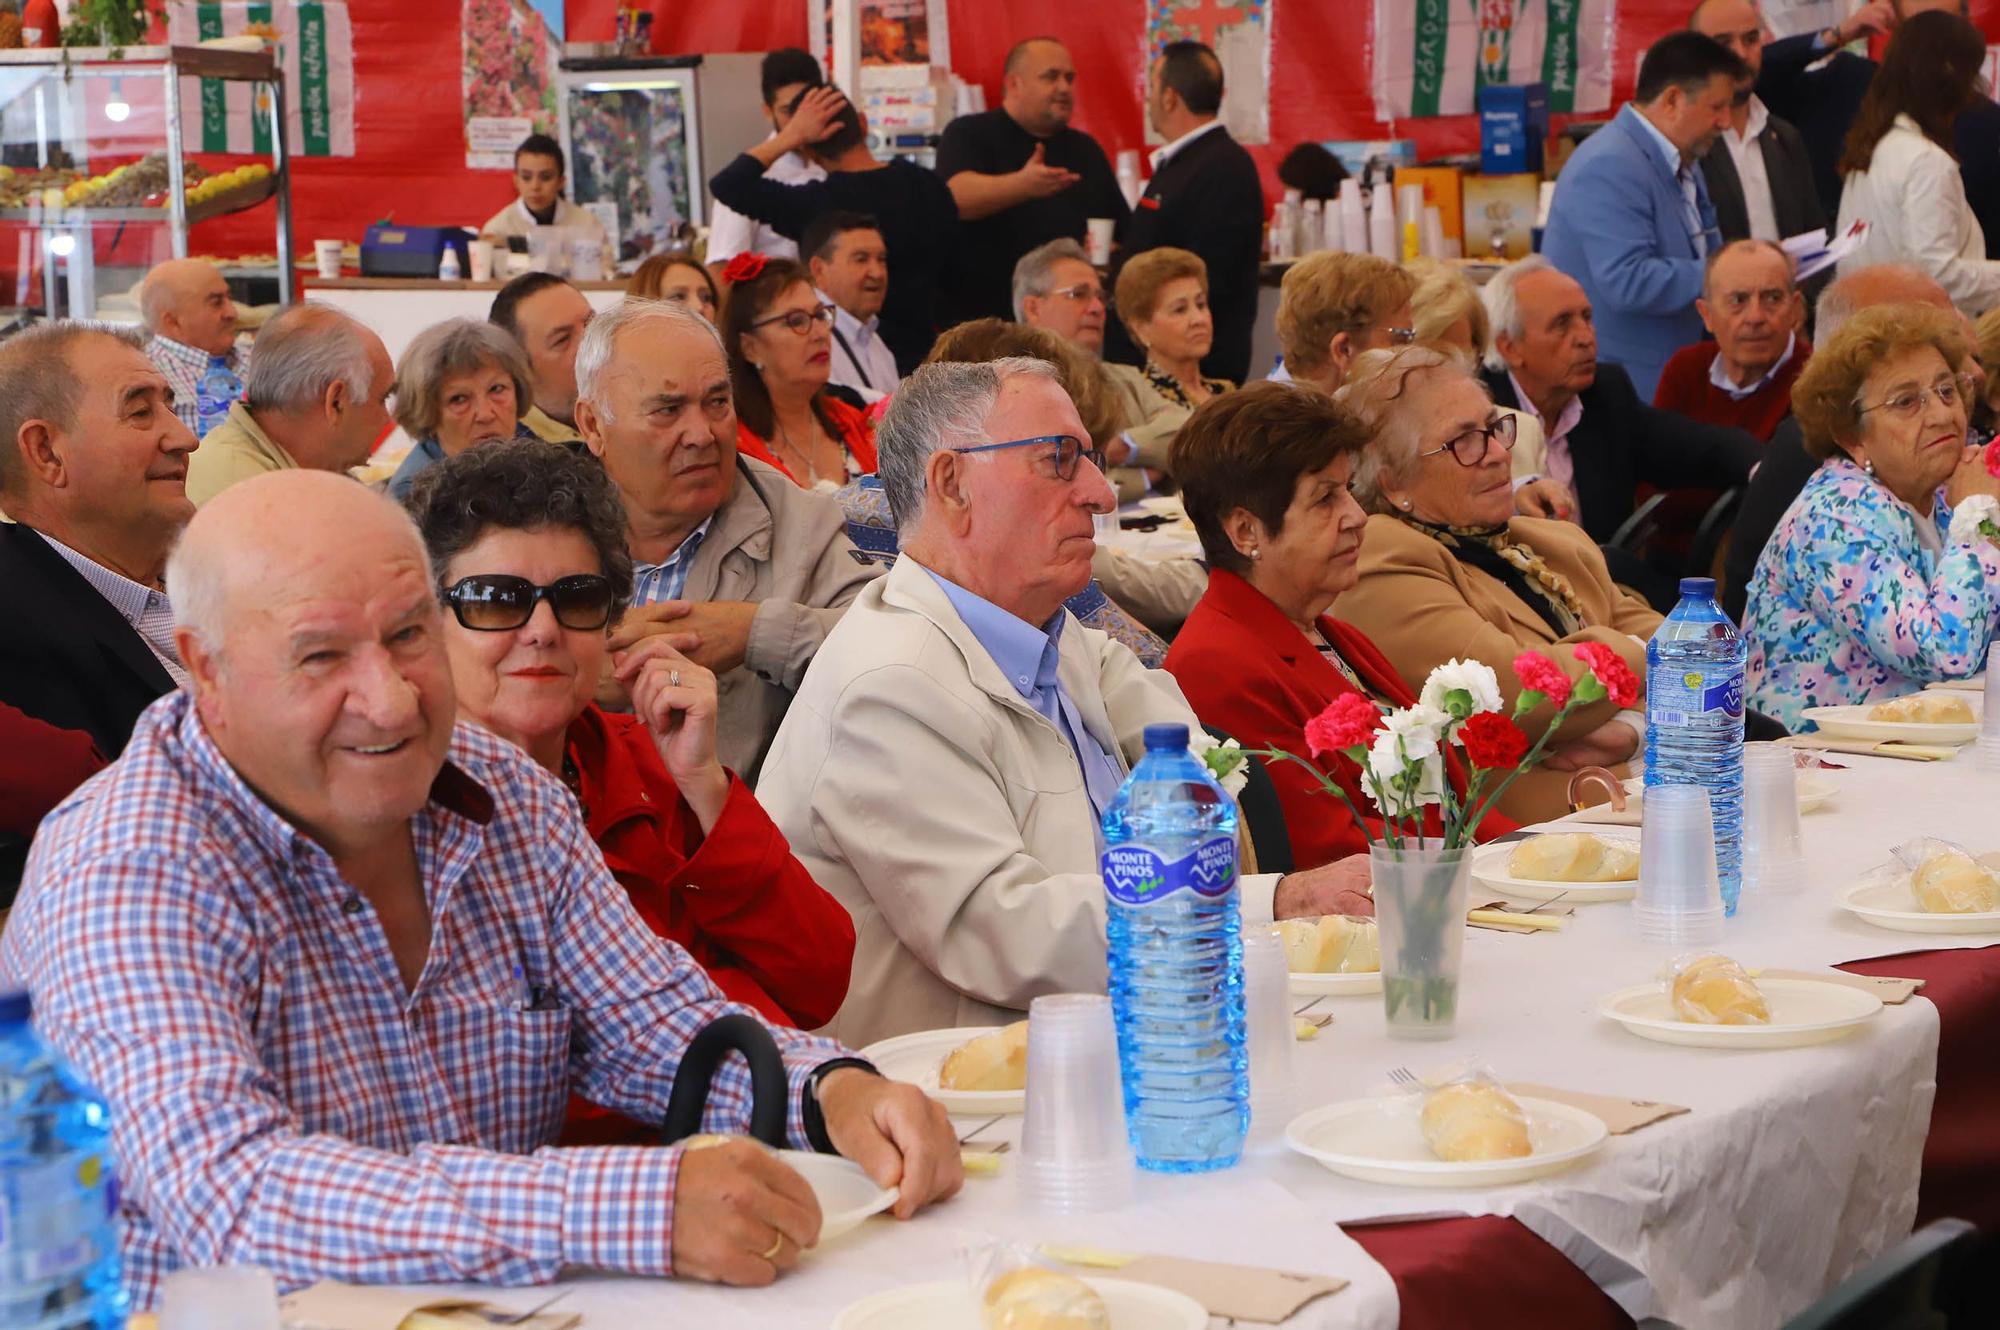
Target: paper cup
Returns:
[[326, 253], [1099, 231], [480, 254]]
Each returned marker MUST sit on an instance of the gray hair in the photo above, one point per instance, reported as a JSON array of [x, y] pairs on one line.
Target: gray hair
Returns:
[[593, 354], [942, 405], [1503, 303], [1840, 302], [1734, 246], [1036, 269], [456, 346], [301, 353], [1379, 393], [36, 383]]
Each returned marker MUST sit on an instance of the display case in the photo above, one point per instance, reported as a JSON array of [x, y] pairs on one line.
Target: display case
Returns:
[[96, 183]]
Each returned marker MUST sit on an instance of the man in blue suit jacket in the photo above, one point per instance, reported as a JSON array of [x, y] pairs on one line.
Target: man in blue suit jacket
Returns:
[[1631, 219]]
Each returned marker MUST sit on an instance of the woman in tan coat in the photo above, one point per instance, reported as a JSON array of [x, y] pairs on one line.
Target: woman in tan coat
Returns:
[[1447, 571]]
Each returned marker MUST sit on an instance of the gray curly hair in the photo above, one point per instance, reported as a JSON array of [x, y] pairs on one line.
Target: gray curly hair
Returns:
[[1385, 391]]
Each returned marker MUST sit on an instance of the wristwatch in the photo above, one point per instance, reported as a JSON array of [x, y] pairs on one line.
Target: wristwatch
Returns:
[[811, 1117]]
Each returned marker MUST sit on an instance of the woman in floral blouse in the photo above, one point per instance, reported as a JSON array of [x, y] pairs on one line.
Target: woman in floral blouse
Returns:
[[1876, 582]]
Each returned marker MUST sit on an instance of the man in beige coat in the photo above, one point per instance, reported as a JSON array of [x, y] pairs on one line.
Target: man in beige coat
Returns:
[[744, 571], [945, 765]]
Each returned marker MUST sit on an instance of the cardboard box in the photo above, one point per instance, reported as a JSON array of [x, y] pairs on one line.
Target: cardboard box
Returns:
[[1513, 123], [1500, 211], [1443, 190]]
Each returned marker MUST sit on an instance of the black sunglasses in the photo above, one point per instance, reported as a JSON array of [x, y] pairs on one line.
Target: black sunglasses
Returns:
[[499, 602]]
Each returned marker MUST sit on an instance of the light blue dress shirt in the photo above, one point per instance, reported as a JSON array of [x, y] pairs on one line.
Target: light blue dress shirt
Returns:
[[1683, 174]]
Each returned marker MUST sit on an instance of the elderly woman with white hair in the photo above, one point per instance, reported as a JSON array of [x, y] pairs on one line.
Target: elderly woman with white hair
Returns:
[[1448, 570], [461, 382]]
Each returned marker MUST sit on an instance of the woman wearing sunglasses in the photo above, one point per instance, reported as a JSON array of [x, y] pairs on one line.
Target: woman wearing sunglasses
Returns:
[[527, 541], [779, 336], [1448, 571]]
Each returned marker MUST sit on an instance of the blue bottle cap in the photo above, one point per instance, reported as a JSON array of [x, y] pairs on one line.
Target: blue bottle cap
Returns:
[[1702, 588], [1174, 737], [15, 1008]]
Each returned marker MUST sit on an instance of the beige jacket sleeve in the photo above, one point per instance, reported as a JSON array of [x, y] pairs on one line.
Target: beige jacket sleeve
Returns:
[[823, 576], [1151, 420], [1159, 593]]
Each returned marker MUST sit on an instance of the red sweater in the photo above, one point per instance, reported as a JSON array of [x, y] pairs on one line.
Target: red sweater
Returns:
[[853, 428], [1685, 387], [39, 766]]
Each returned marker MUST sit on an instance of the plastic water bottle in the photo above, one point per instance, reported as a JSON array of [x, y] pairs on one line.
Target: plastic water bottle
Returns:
[[1694, 717], [448, 269], [219, 387], [58, 1247], [1176, 960]]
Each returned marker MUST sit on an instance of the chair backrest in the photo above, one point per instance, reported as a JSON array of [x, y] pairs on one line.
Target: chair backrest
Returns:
[[1711, 537], [1263, 815], [1910, 1288]]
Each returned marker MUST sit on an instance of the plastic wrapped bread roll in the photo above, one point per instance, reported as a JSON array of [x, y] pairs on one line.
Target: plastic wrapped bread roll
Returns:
[[1469, 1121], [993, 1062], [1953, 882], [1715, 990], [1032, 1298], [1935, 707], [1331, 944], [1574, 856]]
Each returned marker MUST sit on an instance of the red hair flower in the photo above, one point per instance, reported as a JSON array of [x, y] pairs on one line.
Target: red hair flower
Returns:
[[1993, 458], [1349, 721], [1620, 684], [1542, 675], [1491, 740], [744, 267]]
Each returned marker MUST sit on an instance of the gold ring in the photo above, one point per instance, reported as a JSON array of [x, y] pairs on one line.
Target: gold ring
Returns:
[[776, 1243]]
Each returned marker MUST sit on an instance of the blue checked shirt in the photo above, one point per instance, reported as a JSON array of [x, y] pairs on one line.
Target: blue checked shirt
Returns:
[[146, 609], [655, 582], [183, 366], [278, 1098]]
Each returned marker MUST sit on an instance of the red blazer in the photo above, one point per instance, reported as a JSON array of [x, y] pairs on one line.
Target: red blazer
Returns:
[[853, 428], [1247, 670], [737, 900]]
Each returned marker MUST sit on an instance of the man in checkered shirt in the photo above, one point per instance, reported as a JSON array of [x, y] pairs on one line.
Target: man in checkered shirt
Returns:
[[336, 962]]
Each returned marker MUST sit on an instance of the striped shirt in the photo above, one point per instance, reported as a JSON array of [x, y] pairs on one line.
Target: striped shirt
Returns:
[[668, 579], [146, 609], [183, 367]]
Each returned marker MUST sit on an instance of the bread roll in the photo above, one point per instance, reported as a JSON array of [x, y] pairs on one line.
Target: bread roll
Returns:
[[1331, 944], [1954, 883], [1470, 1121], [1933, 707], [1714, 990], [995, 1061], [1032, 1298], [1574, 856]]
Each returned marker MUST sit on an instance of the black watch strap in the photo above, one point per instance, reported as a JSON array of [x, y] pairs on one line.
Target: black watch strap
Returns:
[[813, 1120]]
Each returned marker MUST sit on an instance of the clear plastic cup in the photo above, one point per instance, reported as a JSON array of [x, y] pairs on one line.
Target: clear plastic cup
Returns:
[[1988, 749], [219, 1297], [1680, 898], [1267, 1002], [1075, 1156], [1774, 852]]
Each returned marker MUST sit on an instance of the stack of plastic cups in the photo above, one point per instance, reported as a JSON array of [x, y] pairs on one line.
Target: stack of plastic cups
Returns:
[[1680, 898], [1267, 1004], [1075, 1156], [1988, 755], [1774, 852]]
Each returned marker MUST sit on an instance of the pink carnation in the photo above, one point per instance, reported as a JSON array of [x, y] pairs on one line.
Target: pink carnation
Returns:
[[1543, 675], [1993, 458], [1349, 721], [1620, 684]]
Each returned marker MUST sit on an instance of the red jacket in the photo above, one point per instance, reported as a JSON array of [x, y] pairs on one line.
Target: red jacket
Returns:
[[853, 428], [1247, 670]]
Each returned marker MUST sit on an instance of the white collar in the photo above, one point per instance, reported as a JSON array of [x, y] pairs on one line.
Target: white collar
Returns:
[[1754, 126], [1161, 156], [1719, 376], [846, 324]]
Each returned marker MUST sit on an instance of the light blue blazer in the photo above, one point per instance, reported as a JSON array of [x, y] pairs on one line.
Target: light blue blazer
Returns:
[[1618, 225]]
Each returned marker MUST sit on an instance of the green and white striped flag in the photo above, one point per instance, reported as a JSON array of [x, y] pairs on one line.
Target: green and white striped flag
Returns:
[[316, 51], [1433, 56]]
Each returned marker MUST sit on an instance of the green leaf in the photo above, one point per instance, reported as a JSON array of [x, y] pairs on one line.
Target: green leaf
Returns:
[[1588, 689], [1529, 699], [1458, 703]]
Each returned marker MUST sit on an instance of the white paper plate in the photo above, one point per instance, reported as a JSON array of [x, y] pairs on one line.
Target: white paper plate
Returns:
[[1884, 899], [916, 1058], [1853, 723], [1490, 867], [847, 1195], [1976, 684], [1336, 985], [1803, 1011], [1813, 790], [1380, 1140], [953, 1306]]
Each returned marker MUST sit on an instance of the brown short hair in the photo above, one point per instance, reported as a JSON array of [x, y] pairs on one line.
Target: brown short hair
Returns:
[[1248, 449], [1137, 294], [1827, 396], [37, 383], [652, 274], [982, 340], [1331, 293]]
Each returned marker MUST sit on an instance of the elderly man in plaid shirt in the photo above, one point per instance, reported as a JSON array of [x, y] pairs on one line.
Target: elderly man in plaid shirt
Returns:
[[336, 962]]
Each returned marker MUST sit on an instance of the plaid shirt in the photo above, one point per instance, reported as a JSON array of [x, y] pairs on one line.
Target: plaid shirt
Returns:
[[655, 582], [183, 367], [279, 1099]]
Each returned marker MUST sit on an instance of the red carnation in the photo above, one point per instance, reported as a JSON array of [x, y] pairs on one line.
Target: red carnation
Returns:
[[744, 266], [1491, 740], [1542, 675], [1993, 458], [1620, 684], [1349, 721]]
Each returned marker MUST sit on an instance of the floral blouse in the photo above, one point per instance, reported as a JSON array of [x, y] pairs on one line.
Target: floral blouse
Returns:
[[1853, 600]]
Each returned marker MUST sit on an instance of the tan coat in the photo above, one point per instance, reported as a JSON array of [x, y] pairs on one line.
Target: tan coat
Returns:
[[1150, 419], [234, 450], [950, 818], [1422, 606]]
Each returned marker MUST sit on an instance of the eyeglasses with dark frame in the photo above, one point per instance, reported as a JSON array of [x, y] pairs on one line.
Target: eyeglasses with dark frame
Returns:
[[1469, 448], [800, 321], [1069, 451], [501, 602]]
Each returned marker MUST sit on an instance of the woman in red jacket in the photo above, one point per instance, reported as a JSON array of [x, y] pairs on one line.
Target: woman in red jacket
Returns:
[[1263, 474], [527, 541]]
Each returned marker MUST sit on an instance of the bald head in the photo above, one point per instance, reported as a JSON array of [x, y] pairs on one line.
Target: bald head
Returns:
[[1737, 24], [187, 301], [1881, 284]]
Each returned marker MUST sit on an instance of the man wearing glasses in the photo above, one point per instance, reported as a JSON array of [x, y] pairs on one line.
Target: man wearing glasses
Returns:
[[1744, 377], [946, 764]]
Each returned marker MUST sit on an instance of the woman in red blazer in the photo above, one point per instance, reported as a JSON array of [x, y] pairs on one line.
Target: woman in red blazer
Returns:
[[1264, 474]]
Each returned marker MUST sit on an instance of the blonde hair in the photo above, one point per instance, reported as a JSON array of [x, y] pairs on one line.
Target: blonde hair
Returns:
[[1987, 330], [1827, 396], [1443, 296], [1331, 293], [1384, 392], [1137, 295]]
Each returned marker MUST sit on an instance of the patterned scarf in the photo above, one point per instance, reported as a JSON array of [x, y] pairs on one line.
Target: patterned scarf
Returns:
[[1494, 551], [1170, 388]]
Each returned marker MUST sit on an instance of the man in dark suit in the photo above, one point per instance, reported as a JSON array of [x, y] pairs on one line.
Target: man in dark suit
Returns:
[[1760, 178], [1205, 197], [93, 470]]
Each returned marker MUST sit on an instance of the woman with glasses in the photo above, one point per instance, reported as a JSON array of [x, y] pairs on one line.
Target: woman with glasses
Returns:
[[527, 542], [461, 382], [676, 277], [1333, 306], [779, 336], [1448, 570], [1883, 575]]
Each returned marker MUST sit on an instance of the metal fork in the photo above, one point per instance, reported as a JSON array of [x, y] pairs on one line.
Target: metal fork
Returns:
[[1541, 906], [1405, 1078], [522, 1318], [981, 1127]]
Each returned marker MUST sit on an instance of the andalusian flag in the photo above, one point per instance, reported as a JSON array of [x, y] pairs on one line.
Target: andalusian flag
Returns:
[[316, 52], [1433, 56]]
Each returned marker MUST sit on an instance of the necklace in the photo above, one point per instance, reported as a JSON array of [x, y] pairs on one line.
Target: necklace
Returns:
[[573, 779], [804, 456]]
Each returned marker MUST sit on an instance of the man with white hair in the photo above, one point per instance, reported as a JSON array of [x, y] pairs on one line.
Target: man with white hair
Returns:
[[187, 308], [746, 572], [346, 959], [1755, 316], [946, 765], [317, 397]]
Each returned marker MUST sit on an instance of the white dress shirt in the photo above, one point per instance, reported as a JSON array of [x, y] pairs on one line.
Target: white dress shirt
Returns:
[[1718, 374], [1748, 155], [861, 360], [1162, 155], [731, 233]]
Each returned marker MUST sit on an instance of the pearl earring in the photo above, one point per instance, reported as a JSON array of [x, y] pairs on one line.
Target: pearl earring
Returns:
[[1406, 505], [1256, 554], [1868, 467]]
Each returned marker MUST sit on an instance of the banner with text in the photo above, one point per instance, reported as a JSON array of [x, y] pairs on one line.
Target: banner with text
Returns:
[[1433, 56], [315, 45]]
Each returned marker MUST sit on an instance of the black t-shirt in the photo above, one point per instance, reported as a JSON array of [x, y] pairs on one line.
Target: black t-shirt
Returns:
[[993, 143]]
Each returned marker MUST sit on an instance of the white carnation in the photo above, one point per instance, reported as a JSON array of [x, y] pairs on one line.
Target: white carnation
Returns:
[[1408, 744], [1474, 678]]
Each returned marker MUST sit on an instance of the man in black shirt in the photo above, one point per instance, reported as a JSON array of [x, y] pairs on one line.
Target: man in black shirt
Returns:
[[1022, 176], [919, 219]]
